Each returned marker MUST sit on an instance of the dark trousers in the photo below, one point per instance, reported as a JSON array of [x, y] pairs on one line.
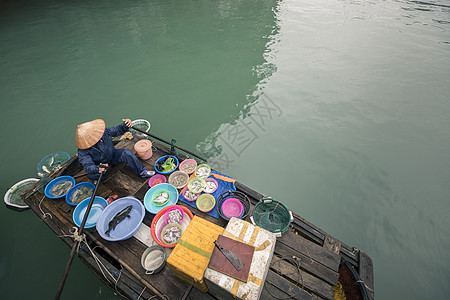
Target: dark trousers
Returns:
[[125, 156]]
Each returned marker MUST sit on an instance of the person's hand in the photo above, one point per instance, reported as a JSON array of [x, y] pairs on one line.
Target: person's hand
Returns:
[[102, 168], [127, 122]]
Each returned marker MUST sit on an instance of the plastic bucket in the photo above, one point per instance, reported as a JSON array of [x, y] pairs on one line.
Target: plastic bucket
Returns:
[[143, 149]]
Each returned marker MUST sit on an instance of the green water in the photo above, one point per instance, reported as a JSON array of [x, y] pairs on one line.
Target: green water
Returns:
[[339, 109]]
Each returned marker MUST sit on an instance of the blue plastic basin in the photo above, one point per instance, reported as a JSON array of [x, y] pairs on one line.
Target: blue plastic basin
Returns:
[[76, 187], [164, 158], [97, 208], [126, 228], [51, 184]]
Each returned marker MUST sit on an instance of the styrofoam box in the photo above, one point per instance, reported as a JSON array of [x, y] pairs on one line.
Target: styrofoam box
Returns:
[[224, 286]]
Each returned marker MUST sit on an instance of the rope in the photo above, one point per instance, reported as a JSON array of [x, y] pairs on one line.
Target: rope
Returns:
[[294, 261], [44, 215], [81, 239], [360, 281]]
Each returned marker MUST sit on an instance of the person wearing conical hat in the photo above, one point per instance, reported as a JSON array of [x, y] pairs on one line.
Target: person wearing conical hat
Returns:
[[96, 149]]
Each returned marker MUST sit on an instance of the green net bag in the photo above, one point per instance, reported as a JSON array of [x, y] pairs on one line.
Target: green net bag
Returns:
[[272, 215]]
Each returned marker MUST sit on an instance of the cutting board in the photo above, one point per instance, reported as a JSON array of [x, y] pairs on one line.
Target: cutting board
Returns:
[[220, 263]]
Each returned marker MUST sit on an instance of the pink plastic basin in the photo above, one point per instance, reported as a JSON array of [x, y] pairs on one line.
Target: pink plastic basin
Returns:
[[232, 207]]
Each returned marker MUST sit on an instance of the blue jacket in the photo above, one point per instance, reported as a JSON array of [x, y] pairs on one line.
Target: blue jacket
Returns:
[[102, 152]]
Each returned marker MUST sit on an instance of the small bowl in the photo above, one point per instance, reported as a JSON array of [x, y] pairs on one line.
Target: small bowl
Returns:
[[182, 174], [76, 187], [188, 190], [210, 179], [167, 227], [196, 179], [203, 166], [205, 202], [97, 208], [153, 259], [232, 207], [57, 180], [186, 162], [156, 179], [172, 208], [164, 158]]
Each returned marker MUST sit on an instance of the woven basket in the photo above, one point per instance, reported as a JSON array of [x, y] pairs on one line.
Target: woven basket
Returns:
[[233, 194]]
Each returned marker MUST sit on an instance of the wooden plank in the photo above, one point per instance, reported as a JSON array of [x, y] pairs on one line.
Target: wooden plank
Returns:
[[280, 288], [308, 281], [332, 245], [366, 272], [311, 250], [318, 270], [123, 182], [310, 230], [195, 294]]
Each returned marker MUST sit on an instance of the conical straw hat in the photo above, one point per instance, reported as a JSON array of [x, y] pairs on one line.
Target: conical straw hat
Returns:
[[89, 133]]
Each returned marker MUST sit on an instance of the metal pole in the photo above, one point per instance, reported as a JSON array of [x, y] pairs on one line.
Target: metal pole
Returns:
[[75, 245], [169, 143]]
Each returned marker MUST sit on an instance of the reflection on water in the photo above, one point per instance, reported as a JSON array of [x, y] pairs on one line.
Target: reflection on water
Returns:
[[359, 146]]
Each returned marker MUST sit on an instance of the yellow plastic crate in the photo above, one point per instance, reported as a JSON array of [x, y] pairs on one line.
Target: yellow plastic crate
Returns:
[[190, 257]]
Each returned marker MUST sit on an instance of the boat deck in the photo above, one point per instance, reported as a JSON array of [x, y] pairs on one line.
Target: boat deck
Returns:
[[319, 253]]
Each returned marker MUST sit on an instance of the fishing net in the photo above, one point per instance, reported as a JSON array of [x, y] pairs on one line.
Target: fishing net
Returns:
[[52, 162], [14, 195], [272, 215], [141, 124]]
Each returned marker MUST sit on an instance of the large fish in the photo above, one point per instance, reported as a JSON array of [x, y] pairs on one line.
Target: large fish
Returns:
[[119, 217]]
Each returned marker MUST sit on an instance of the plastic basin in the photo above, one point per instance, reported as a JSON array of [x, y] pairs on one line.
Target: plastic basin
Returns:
[[156, 179], [173, 197], [205, 202], [76, 187], [52, 183], [126, 228], [163, 158], [97, 208]]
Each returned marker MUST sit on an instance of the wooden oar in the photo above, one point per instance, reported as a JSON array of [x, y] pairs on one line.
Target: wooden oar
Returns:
[[75, 245], [167, 142]]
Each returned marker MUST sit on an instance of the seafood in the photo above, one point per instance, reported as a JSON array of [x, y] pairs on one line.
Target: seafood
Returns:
[[190, 195], [203, 172], [157, 181], [175, 216], [44, 168], [172, 235], [210, 186], [81, 194], [188, 168], [179, 181], [119, 217], [196, 186], [61, 188], [162, 198]]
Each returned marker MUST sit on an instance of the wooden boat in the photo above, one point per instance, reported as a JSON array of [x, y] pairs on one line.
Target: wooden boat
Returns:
[[118, 264]]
